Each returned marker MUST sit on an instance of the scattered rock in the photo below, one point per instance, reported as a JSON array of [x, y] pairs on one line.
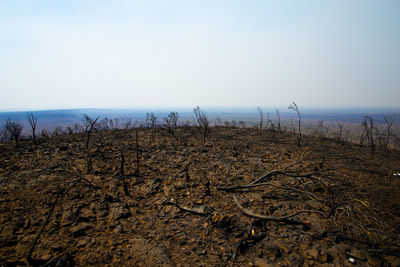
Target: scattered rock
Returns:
[[259, 262], [284, 247], [83, 242], [120, 229], [86, 215], [80, 229], [272, 250], [119, 212], [313, 253], [295, 259]]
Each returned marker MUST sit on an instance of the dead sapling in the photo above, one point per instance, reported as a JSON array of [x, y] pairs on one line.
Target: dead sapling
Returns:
[[339, 135], [32, 120], [151, 120], [294, 107], [137, 154], [122, 172], [186, 170], [368, 124], [122, 165], [278, 122], [89, 127], [389, 120], [89, 166], [182, 139], [261, 113], [206, 185], [127, 122]]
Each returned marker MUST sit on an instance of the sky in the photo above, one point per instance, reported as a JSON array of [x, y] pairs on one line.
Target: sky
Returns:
[[133, 54]]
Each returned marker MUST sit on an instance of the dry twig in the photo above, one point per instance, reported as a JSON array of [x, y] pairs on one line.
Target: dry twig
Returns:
[[199, 211], [251, 214], [29, 256], [238, 187]]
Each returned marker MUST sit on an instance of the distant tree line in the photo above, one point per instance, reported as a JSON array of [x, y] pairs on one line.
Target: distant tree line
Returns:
[[384, 136]]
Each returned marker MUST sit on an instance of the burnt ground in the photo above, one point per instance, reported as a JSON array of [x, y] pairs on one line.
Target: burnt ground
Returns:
[[186, 206]]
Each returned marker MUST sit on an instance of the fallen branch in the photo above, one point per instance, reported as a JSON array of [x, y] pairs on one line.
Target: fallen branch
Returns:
[[290, 174], [251, 214], [269, 174], [29, 256], [307, 175], [199, 211], [238, 187]]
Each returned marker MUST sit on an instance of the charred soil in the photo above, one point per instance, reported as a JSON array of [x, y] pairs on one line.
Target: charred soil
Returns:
[[244, 197]]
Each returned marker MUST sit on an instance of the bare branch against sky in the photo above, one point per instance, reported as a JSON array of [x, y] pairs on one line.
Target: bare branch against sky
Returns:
[[73, 53]]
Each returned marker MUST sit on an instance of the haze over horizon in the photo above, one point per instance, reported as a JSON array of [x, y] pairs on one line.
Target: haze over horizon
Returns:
[[135, 54]]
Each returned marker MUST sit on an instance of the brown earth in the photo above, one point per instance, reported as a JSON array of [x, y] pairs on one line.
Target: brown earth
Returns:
[[178, 210]]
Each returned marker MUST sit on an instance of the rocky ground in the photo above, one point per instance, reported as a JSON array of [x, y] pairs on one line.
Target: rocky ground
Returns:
[[194, 203]]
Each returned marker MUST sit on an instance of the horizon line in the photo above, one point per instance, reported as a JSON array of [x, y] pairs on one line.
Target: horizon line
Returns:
[[153, 108]]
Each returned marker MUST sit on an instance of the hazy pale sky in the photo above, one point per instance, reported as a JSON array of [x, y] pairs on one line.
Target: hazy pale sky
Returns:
[[83, 53]]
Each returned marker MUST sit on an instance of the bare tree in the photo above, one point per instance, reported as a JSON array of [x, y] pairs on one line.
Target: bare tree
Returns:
[[294, 107], [151, 120], [70, 130], [89, 126], [278, 116], [127, 122], [368, 124], [173, 117], [396, 140], [14, 129], [106, 124], [320, 129], [32, 120], [269, 121], [116, 122], [171, 121], [339, 135], [202, 122], [389, 120], [260, 112], [4, 136]]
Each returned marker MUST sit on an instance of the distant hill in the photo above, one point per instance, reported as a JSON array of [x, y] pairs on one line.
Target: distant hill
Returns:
[[49, 119]]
